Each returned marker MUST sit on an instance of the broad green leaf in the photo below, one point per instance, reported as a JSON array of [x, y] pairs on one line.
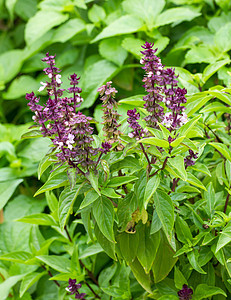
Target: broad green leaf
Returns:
[[110, 193], [224, 237], [123, 25], [19, 87], [194, 181], [156, 224], [59, 263], [221, 39], [154, 141], [223, 96], [179, 167], [139, 188], [193, 107], [140, 275], [95, 75], [228, 170], [182, 230], [7, 189], [103, 212], [29, 280], [177, 141], [10, 5], [54, 182], [51, 201], [16, 256], [186, 128], [216, 107], [10, 64], [6, 285], [66, 203], [136, 100], [179, 278], [94, 182], [39, 219], [201, 168], [150, 189], [108, 246], [120, 180], [223, 149], [128, 244], [126, 207], [148, 246], [203, 291], [177, 15], [32, 134], [209, 196], [43, 165], [96, 14], [164, 260], [41, 22], [165, 212], [147, 10], [91, 250], [213, 68], [90, 197], [112, 50], [193, 259], [201, 53], [69, 29], [25, 9], [133, 45]]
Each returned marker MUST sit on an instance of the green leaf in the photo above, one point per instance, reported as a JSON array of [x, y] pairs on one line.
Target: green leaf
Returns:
[[91, 250], [16, 256], [19, 87], [216, 107], [194, 106], [147, 10], [123, 25], [32, 134], [179, 167], [133, 46], [110, 193], [156, 224], [6, 285], [155, 141], [43, 165], [128, 244], [224, 238], [29, 280], [140, 275], [112, 50], [94, 182], [54, 182], [103, 212], [223, 96], [96, 14], [182, 230], [58, 263], [90, 197], [69, 29], [213, 68], [203, 291], [150, 189], [148, 246], [210, 198], [136, 100], [223, 149], [165, 212], [194, 181], [120, 180], [179, 278], [186, 128], [66, 203], [177, 141], [7, 189], [25, 9], [10, 64], [108, 246], [177, 15], [221, 38], [39, 219], [193, 259], [164, 260], [125, 209], [44, 20], [10, 5]]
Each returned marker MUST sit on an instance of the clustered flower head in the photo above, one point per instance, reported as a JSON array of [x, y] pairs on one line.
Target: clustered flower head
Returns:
[[73, 289], [69, 130], [185, 293], [161, 85], [111, 116], [189, 159], [138, 132]]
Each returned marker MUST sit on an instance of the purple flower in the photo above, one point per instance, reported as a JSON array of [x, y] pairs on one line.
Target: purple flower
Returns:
[[188, 160], [107, 93], [185, 293], [105, 147], [163, 91], [73, 289], [138, 132]]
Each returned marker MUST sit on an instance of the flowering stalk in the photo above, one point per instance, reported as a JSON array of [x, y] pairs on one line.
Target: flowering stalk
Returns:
[[161, 85], [73, 289], [185, 293]]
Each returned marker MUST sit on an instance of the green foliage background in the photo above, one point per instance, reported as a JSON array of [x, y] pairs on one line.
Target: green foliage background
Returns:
[[98, 40]]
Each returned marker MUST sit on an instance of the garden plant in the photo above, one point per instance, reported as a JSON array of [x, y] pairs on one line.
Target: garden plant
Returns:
[[131, 150]]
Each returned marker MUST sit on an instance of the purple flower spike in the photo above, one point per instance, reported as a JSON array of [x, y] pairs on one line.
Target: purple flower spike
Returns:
[[105, 147], [73, 289], [80, 296], [138, 132], [188, 160], [185, 293]]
